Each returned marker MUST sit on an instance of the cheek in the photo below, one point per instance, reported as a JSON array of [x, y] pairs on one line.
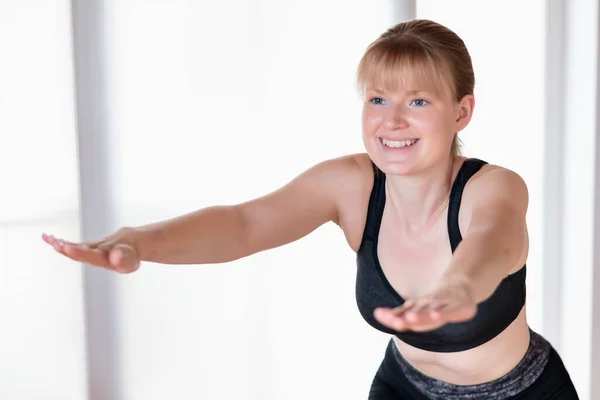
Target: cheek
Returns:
[[431, 122], [423, 123], [371, 120]]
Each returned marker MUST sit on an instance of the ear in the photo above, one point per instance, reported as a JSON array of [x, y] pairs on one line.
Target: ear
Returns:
[[464, 112]]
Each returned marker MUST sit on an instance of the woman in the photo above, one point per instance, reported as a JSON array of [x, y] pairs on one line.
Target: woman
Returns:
[[441, 240]]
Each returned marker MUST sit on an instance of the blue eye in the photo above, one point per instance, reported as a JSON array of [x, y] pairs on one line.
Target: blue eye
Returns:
[[377, 100], [419, 102]]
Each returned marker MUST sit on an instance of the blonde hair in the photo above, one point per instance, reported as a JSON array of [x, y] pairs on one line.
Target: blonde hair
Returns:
[[435, 58]]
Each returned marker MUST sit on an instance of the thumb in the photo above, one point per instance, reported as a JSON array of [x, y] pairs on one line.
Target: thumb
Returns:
[[123, 258]]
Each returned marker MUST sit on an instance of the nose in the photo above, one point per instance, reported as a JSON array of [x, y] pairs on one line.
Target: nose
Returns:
[[395, 118]]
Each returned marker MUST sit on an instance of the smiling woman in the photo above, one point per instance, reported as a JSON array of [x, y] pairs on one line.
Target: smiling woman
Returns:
[[441, 240], [398, 61]]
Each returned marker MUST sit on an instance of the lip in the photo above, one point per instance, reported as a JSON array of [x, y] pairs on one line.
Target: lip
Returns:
[[397, 139], [398, 149]]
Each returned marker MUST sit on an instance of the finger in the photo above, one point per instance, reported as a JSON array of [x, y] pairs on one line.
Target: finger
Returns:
[[388, 318], [427, 319], [420, 310], [400, 323], [52, 241], [86, 255], [47, 238], [460, 312], [421, 306], [430, 311], [401, 310], [426, 324], [454, 312], [94, 244], [58, 244]]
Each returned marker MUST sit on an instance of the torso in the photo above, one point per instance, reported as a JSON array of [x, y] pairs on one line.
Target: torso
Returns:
[[411, 264]]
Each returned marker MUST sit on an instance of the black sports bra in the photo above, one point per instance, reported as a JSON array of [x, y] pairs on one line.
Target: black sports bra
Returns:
[[373, 290]]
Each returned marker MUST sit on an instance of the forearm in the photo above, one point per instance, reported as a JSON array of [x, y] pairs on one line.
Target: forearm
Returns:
[[483, 261], [207, 236]]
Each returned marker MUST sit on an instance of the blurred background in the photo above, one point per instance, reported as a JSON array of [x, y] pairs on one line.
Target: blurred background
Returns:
[[123, 112]]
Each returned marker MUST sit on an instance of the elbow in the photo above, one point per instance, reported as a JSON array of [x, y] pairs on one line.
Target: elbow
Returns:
[[242, 243]]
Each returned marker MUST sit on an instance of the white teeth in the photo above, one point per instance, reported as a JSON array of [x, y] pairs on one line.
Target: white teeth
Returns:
[[398, 144]]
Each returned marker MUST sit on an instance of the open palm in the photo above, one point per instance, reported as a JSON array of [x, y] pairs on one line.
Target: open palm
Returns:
[[116, 252], [448, 302]]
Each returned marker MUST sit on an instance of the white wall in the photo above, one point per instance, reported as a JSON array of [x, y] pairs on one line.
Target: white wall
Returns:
[[580, 258], [214, 92], [42, 348], [508, 124], [214, 103], [536, 65]]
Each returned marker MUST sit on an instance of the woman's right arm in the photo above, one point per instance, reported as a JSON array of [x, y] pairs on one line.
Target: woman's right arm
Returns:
[[225, 233], [221, 234]]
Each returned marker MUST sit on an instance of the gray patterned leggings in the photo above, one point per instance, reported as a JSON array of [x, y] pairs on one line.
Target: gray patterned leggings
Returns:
[[540, 375]]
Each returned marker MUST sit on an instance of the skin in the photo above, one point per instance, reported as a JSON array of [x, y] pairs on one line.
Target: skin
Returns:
[[414, 251]]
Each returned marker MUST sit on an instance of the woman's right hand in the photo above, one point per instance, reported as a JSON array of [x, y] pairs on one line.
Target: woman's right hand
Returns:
[[116, 252]]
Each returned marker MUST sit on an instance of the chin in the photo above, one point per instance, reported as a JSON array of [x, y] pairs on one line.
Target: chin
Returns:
[[396, 168], [392, 163]]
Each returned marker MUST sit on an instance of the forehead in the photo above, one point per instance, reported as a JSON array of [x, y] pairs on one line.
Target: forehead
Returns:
[[408, 80], [403, 71]]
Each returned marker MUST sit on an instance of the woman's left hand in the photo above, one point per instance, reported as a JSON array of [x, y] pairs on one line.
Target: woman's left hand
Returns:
[[450, 301]]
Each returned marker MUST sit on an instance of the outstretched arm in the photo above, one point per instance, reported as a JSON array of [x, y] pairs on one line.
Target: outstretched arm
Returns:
[[225, 233], [496, 234], [493, 210]]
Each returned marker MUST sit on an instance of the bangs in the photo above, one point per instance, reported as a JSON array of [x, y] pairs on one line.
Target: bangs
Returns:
[[403, 65]]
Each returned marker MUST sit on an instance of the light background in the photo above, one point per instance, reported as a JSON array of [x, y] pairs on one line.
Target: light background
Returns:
[[123, 112]]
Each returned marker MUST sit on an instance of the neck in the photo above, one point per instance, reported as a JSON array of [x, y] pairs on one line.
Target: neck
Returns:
[[419, 200]]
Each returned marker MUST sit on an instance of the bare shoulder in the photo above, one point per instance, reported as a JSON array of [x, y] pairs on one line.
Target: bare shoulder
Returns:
[[341, 176], [353, 200], [349, 179], [328, 191], [351, 168], [495, 190], [496, 181], [356, 171]]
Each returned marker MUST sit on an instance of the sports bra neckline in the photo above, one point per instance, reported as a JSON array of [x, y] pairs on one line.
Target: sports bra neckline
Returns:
[[452, 220]]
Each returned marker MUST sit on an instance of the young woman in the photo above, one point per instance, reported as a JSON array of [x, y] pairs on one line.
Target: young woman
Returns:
[[441, 240]]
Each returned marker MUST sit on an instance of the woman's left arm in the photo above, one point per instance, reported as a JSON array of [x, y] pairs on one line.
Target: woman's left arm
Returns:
[[493, 210], [494, 207]]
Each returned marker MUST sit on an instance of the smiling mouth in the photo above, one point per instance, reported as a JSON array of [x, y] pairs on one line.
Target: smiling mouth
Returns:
[[398, 144]]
